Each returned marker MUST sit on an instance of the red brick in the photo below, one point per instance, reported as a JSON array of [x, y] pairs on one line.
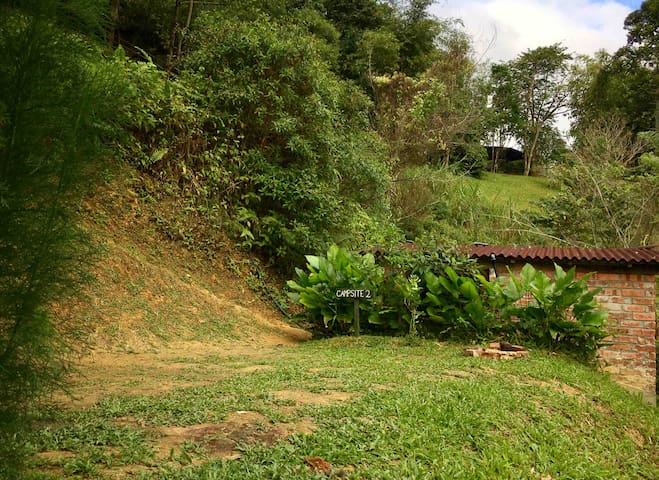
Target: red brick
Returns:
[[632, 323], [645, 301], [610, 292], [624, 339], [631, 355], [613, 307], [608, 276], [646, 348], [635, 308], [643, 316], [622, 347], [642, 332], [633, 292]]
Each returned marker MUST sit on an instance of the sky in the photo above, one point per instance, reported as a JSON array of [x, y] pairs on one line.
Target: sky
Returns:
[[502, 29]]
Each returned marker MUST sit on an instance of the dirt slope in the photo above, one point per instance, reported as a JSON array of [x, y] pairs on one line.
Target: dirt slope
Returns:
[[154, 300]]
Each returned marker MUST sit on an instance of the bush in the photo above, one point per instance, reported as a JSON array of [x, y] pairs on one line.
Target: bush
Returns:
[[404, 284], [417, 291], [340, 269], [465, 306], [564, 314], [290, 151]]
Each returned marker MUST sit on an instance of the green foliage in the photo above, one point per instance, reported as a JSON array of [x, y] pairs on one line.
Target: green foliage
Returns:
[[604, 198], [401, 295], [619, 85], [163, 123], [423, 292], [340, 269], [436, 202], [465, 307], [437, 117], [56, 111], [532, 91], [288, 148], [563, 315], [625, 84]]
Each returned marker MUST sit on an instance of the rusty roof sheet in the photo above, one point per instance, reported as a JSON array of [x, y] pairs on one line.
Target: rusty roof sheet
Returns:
[[626, 256]]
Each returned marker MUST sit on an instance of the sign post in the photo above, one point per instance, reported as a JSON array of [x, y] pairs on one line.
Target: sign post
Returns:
[[355, 295]]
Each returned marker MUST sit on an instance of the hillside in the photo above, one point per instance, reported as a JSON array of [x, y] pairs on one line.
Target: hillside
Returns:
[[190, 375], [153, 299], [507, 190]]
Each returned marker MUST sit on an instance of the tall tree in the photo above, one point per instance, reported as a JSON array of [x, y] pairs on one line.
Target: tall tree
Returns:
[[604, 200], [533, 91], [419, 34], [642, 48], [435, 117], [54, 103], [626, 84], [642, 27]]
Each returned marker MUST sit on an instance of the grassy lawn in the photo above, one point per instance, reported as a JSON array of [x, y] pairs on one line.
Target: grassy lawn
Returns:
[[503, 189], [360, 408]]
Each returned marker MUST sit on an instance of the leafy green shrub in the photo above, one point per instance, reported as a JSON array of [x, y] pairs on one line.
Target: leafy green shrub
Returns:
[[340, 269], [564, 314], [404, 286], [414, 294], [293, 158], [397, 302], [464, 306]]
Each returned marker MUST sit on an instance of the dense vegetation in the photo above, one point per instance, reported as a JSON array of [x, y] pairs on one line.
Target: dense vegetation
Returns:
[[423, 293], [292, 125]]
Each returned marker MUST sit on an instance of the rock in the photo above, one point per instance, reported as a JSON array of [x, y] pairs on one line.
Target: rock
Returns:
[[495, 353]]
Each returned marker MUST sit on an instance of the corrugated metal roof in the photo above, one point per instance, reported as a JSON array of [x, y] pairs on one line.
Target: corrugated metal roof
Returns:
[[626, 256]]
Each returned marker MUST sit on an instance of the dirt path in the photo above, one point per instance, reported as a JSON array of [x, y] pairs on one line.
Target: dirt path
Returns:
[[177, 364]]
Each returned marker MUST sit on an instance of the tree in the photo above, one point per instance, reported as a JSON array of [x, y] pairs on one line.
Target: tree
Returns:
[[352, 18], [501, 117], [533, 91], [56, 100], [436, 116], [288, 139], [625, 84], [605, 200], [642, 50], [419, 35], [642, 27]]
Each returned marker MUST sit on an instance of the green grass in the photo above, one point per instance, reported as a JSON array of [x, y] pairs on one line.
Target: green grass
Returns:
[[410, 410], [502, 189]]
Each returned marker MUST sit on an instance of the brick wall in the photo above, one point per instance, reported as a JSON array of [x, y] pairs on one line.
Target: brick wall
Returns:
[[629, 295], [630, 299]]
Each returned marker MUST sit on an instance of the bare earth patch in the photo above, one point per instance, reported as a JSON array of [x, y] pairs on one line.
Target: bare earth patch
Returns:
[[179, 364], [556, 386], [223, 440], [304, 397], [157, 312]]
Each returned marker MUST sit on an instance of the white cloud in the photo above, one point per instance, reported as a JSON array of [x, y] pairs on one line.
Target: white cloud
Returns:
[[502, 29]]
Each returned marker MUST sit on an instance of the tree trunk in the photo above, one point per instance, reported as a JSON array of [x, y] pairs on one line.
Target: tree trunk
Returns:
[[185, 30], [114, 19], [529, 152], [175, 31], [496, 154]]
